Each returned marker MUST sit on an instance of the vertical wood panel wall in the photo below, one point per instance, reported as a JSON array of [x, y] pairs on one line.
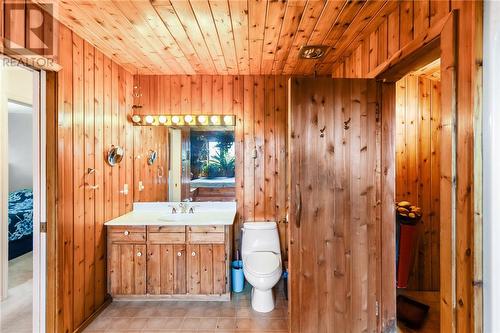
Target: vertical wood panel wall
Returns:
[[384, 37], [418, 118], [260, 106], [94, 99]]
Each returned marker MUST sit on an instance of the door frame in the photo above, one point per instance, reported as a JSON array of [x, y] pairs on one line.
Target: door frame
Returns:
[[440, 41], [39, 195]]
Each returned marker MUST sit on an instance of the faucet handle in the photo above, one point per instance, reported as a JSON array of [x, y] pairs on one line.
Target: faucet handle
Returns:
[[191, 210]]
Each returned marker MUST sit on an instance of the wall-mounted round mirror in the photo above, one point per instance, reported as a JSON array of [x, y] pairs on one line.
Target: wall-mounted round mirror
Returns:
[[115, 155], [152, 156]]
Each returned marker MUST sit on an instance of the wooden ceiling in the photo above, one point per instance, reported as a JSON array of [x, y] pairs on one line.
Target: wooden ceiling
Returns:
[[220, 36]]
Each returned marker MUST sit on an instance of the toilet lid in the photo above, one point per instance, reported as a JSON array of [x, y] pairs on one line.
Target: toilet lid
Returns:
[[262, 263]]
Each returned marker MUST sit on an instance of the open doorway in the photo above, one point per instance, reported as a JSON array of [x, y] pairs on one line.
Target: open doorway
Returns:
[[22, 195], [418, 125]]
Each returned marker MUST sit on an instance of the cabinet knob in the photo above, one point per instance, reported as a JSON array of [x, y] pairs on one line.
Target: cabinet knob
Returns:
[[139, 254], [179, 254], [193, 254], [126, 232]]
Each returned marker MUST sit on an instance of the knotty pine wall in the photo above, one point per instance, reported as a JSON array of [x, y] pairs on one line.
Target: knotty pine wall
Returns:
[[92, 95], [94, 98], [384, 37], [260, 106], [418, 123]]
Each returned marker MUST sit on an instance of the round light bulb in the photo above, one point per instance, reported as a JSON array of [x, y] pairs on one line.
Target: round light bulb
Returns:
[[228, 120], [150, 119], [136, 118], [175, 119], [162, 119], [188, 119], [214, 119], [202, 119]]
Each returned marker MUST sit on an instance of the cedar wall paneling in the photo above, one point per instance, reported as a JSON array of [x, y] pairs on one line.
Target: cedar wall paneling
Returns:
[[95, 97], [260, 106], [418, 114], [403, 25]]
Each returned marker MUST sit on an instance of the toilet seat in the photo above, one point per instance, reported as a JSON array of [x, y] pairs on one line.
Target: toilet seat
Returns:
[[262, 264]]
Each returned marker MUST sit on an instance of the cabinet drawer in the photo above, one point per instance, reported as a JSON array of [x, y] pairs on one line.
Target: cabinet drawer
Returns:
[[127, 237], [123, 228], [166, 228], [206, 237], [166, 237], [207, 228]]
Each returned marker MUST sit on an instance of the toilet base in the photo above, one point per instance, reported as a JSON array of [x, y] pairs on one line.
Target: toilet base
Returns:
[[262, 300]]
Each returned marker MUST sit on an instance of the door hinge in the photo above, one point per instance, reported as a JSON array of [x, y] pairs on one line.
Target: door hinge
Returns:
[[43, 227], [376, 309]]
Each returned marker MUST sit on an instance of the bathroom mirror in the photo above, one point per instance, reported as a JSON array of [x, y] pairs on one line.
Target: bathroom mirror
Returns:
[[176, 163], [115, 155], [212, 161]]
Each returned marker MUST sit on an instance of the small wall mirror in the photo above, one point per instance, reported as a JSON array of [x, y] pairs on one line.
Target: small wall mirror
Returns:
[[115, 155], [152, 156]]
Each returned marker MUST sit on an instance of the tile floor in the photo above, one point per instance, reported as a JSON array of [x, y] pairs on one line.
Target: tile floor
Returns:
[[173, 316], [16, 310]]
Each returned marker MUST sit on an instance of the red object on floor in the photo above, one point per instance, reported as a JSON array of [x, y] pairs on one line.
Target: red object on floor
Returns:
[[407, 240]]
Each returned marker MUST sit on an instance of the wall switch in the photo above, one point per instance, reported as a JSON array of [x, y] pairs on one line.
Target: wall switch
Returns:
[[125, 189], [141, 187]]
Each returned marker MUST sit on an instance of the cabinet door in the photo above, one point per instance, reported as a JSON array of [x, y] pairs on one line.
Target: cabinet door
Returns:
[[166, 272], [206, 269], [179, 278], [127, 269], [193, 269]]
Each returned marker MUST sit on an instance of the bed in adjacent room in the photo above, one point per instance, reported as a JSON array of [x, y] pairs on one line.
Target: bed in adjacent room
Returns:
[[20, 222]]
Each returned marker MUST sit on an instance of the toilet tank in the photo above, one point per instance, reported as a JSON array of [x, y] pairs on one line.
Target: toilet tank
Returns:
[[260, 236]]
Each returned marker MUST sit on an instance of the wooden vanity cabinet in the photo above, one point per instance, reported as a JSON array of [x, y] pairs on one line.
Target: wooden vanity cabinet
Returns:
[[169, 261], [127, 261]]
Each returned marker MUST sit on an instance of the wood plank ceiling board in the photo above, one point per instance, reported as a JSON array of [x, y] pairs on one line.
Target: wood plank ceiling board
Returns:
[[74, 19], [205, 19], [256, 9], [327, 19], [370, 19], [221, 37], [274, 22], [222, 18], [239, 21], [186, 15], [289, 28], [356, 24], [195, 55], [161, 33], [310, 17], [341, 23], [134, 14]]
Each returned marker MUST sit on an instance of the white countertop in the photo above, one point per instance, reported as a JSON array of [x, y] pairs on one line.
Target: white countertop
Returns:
[[160, 213]]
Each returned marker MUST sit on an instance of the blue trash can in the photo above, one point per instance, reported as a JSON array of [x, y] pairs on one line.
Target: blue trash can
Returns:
[[237, 276]]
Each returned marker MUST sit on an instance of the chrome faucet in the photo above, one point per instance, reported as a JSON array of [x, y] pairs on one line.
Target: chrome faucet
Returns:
[[184, 207]]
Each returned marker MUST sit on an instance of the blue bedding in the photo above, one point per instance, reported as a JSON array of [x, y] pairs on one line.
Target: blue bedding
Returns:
[[20, 214]]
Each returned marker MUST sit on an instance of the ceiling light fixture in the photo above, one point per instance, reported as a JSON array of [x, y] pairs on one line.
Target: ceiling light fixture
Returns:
[[312, 51]]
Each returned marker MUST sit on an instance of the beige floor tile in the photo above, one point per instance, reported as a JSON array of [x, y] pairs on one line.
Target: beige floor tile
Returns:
[[182, 316]]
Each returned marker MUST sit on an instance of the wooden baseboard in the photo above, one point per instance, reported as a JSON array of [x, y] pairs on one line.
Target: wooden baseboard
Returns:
[[200, 298], [96, 313]]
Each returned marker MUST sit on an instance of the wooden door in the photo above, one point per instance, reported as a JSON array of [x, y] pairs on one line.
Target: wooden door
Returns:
[[128, 269], [334, 184]]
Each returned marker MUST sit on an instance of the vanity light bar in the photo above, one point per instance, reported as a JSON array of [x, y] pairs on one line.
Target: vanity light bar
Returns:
[[183, 120]]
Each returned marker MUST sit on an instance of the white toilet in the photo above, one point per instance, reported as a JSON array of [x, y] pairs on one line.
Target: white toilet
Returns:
[[261, 254]]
